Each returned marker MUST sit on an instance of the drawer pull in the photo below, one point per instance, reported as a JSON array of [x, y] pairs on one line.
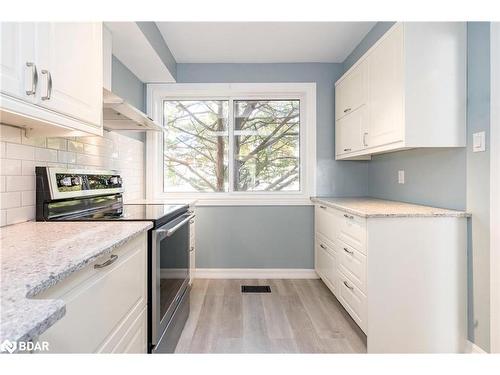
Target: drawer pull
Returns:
[[191, 221], [323, 207], [348, 286], [110, 261], [322, 246], [349, 216], [347, 149], [192, 249], [348, 251], [347, 110]]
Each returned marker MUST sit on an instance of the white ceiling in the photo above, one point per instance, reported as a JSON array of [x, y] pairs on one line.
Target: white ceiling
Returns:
[[262, 42]]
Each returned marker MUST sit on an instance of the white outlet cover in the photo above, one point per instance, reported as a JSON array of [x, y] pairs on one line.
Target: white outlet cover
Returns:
[[479, 142], [401, 176]]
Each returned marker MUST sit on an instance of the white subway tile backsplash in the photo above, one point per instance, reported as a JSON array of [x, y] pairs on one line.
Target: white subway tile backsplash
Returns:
[[10, 167], [57, 143], [20, 156], [18, 151], [10, 134], [20, 183], [45, 154], [10, 200], [66, 157]]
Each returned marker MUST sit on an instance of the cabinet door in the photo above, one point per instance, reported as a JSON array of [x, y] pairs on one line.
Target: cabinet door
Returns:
[[351, 132], [386, 90], [17, 60], [352, 92], [326, 264], [70, 56]]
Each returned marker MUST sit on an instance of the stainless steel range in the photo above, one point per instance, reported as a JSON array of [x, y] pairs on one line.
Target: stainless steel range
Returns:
[[85, 195]]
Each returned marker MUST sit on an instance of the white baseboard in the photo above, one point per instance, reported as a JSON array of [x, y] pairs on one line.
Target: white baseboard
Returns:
[[255, 273], [471, 348]]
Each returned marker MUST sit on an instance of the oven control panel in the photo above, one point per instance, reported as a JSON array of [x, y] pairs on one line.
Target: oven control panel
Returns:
[[70, 182]]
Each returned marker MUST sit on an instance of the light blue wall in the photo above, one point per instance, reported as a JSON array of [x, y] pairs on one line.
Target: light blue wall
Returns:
[[125, 84], [274, 237], [154, 37], [478, 182], [254, 237]]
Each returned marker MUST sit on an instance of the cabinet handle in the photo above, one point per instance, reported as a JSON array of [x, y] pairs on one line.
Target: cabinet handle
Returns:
[[348, 216], [347, 149], [191, 221], [192, 249], [347, 285], [347, 110], [110, 261], [323, 207], [49, 85], [364, 139], [34, 78], [348, 251], [322, 246]]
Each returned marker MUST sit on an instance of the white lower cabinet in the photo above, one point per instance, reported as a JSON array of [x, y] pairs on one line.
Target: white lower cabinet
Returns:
[[106, 304], [192, 246], [401, 279]]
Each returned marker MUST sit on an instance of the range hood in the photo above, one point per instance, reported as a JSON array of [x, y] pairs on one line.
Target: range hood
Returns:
[[120, 115]]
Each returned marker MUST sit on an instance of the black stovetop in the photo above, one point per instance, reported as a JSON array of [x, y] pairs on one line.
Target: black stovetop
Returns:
[[159, 214]]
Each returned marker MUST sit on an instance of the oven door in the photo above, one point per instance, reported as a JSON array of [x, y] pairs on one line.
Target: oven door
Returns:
[[170, 271]]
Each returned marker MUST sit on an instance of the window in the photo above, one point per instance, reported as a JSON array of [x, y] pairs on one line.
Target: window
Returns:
[[233, 143], [266, 147]]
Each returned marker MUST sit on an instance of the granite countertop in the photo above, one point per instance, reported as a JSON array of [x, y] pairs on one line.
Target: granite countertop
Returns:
[[372, 207], [37, 255]]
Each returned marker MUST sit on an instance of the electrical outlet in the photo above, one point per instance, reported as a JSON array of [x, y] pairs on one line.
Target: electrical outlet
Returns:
[[479, 142], [401, 176]]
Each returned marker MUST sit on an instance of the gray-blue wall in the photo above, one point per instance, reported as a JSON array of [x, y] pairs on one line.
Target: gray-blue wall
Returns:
[[276, 236], [478, 182], [126, 84]]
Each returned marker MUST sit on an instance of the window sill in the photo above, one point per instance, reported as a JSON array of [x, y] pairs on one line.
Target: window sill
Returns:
[[236, 201]]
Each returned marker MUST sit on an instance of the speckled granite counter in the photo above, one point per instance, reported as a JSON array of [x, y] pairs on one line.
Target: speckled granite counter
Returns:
[[372, 207], [36, 255]]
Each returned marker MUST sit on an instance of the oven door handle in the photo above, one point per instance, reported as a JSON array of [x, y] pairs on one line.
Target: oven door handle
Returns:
[[171, 231]]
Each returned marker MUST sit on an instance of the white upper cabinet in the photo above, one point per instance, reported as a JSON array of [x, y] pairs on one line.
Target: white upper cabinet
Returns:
[[411, 86], [51, 77]]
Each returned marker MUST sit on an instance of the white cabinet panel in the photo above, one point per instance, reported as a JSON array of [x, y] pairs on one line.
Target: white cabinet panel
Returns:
[[353, 300], [18, 74], [102, 303], [386, 90], [326, 263], [352, 92], [352, 132], [70, 56]]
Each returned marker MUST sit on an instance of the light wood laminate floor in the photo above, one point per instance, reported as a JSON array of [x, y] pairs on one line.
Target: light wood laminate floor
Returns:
[[298, 316]]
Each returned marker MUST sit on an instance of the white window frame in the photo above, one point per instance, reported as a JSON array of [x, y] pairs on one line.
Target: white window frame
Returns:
[[305, 92]]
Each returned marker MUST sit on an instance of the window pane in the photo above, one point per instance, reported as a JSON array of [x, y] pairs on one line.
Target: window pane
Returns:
[[195, 146], [266, 150]]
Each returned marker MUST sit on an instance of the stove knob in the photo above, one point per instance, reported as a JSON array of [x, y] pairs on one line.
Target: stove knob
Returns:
[[115, 180], [66, 181], [76, 181]]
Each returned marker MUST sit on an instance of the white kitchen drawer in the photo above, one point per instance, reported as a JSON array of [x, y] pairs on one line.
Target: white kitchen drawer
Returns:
[[338, 225], [326, 263], [353, 231], [353, 264], [353, 300], [327, 222], [98, 300]]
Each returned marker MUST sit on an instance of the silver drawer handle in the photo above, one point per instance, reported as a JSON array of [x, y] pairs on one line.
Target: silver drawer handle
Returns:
[[323, 207], [348, 216], [49, 85], [110, 261], [347, 149], [171, 231], [322, 246], [34, 78], [347, 110], [191, 221], [364, 139], [348, 286], [192, 249], [348, 251]]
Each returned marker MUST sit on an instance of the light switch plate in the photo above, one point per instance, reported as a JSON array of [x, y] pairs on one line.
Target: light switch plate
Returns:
[[401, 176], [479, 142]]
